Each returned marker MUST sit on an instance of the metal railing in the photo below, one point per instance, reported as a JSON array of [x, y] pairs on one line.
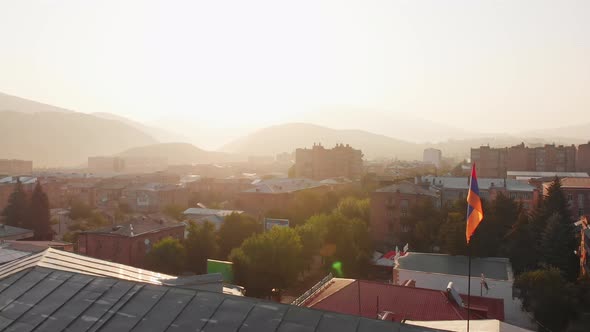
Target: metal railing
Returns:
[[314, 289]]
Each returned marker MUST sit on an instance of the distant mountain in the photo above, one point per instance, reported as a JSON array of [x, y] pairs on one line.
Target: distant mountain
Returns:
[[161, 135], [396, 125], [580, 133], [288, 137], [179, 154], [61, 139], [17, 104]]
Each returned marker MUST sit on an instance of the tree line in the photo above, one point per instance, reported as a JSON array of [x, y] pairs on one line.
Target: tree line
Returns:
[[273, 260], [29, 211]]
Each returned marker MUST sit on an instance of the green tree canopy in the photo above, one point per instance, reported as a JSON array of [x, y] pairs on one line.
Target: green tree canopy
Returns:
[[520, 245], [424, 222], [200, 245], [267, 261], [40, 216], [167, 256], [16, 212], [548, 297], [234, 230], [352, 207], [80, 210], [500, 215]]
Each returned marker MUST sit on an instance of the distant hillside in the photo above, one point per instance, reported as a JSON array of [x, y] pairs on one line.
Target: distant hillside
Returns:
[[161, 135], [61, 139], [17, 104], [179, 153], [288, 137], [580, 133]]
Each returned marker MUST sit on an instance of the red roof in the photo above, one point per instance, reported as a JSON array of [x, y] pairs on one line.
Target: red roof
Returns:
[[404, 302]]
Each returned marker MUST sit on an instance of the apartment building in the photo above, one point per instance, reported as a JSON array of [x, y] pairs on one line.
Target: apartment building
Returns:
[[319, 163]]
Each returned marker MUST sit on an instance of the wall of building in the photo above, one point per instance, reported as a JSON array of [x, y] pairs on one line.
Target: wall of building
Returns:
[[319, 163], [14, 167], [123, 249]]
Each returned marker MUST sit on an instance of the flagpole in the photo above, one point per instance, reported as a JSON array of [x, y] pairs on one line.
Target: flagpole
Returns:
[[468, 286]]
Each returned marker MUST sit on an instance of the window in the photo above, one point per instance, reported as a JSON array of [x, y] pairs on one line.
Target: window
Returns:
[[580, 212], [580, 200], [405, 228], [570, 197]]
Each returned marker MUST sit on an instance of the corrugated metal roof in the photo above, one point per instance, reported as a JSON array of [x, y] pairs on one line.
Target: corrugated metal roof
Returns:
[[39, 298], [449, 182], [9, 231], [276, 186], [209, 212], [575, 183]]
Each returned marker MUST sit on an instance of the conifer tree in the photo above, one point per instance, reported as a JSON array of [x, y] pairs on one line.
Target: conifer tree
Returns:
[[40, 217], [16, 212]]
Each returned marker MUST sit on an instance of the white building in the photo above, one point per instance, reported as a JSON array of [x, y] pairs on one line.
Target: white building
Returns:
[[433, 156], [435, 271]]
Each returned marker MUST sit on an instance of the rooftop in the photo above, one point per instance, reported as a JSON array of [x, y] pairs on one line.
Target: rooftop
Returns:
[[11, 231], [575, 183], [405, 302], [209, 212], [23, 179], [487, 325], [492, 267], [407, 187], [283, 185], [58, 295], [136, 227], [449, 182], [527, 174]]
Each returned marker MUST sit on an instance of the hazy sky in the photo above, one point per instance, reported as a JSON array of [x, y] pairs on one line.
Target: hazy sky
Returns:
[[486, 65]]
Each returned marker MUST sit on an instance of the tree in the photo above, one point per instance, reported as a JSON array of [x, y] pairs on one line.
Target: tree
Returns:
[[424, 221], [167, 256], [500, 215], [554, 232], [200, 245], [453, 234], [352, 207], [40, 217], [16, 211], [80, 210], [519, 245], [547, 295], [234, 230], [267, 261], [343, 241], [556, 247], [174, 211]]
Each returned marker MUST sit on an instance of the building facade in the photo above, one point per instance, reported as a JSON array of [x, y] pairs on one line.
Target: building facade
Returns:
[[432, 156], [455, 188], [105, 164], [390, 204], [154, 197], [577, 193], [319, 163], [16, 167], [496, 162], [583, 158], [127, 244]]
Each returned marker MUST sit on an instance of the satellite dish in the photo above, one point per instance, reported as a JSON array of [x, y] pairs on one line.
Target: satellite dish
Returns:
[[147, 242]]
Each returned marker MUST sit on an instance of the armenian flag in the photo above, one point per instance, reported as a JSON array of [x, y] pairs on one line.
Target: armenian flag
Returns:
[[474, 208]]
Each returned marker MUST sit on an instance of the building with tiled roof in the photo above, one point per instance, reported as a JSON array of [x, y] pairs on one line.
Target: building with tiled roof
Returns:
[[435, 271], [369, 299], [130, 242], [14, 233], [58, 291], [214, 216]]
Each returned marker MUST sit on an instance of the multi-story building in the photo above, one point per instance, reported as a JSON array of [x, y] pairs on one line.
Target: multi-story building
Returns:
[[319, 163], [276, 194], [583, 158], [218, 190], [577, 192], [496, 162], [15, 167], [154, 197], [390, 204], [129, 243], [433, 156], [106, 164], [456, 188]]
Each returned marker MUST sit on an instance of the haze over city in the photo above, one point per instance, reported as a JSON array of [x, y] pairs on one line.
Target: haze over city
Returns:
[[211, 71]]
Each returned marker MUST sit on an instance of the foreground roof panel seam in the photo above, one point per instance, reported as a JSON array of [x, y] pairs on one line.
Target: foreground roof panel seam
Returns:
[[147, 313], [109, 314]]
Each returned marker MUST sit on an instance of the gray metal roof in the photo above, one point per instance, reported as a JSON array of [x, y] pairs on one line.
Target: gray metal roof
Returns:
[[462, 183], [44, 299], [10, 231], [491, 267], [282, 185], [406, 187]]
